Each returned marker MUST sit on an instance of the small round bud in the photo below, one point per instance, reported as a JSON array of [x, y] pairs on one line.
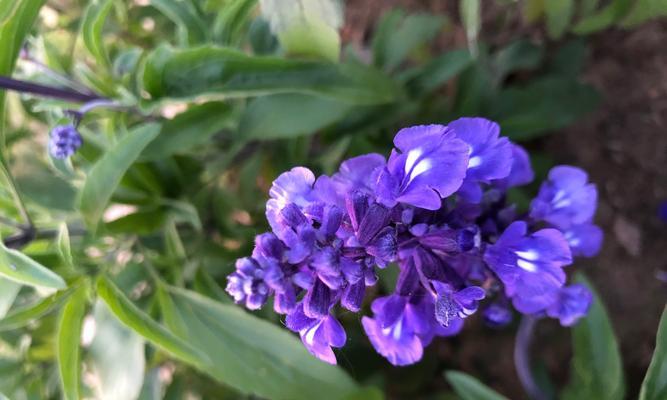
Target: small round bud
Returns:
[[64, 141]]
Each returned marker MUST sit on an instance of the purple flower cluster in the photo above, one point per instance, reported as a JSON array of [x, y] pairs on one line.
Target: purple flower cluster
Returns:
[[64, 141], [437, 210]]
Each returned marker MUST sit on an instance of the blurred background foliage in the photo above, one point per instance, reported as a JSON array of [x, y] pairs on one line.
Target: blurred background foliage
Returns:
[[127, 244]]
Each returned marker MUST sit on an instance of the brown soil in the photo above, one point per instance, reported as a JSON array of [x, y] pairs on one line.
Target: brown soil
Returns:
[[623, 145]]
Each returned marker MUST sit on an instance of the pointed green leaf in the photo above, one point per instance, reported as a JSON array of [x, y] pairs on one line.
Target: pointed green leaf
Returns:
[[655, 382], [596, 369], [20, 268], [23, 316], [471, 17], [250, 354], [224, 72], [192, 29], [604, 18], [68, 343], [93, 22], [469, 388], [559, 14], [144, 325], [63, 245], [107, 172]]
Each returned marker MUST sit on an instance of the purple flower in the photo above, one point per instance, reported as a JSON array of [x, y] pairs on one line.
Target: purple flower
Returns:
[[662, 211], [521, 172], [566, 198], [430, 164], [490, 157], [64, 141], [318, 335], [572, 303], [451, 305], [396, 330], [530, 265], [438, 209], [584, 239], [497, 314]]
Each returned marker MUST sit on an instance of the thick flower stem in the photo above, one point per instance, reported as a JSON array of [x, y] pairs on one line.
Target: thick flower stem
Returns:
[[47, 91], [524, 339]]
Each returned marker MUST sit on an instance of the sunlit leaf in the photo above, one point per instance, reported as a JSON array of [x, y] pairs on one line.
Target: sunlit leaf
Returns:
[[116, 357], [93, 22], [23, 316], [68, 347], [20, 268], [225, 72], [248, 353], [107, 172]]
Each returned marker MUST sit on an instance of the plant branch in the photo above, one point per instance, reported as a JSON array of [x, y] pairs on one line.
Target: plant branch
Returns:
[[28, 234], [47, 91], [524, 340]]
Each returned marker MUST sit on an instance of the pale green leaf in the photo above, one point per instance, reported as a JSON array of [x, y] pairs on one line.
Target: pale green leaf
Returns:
[[470, 11], [20, 268], [23, 316], [8, 291], [107, 172], [144, 325], [558, 14], [192, 29], [68, 343], [116, 357], [63, 245], [91, 29]]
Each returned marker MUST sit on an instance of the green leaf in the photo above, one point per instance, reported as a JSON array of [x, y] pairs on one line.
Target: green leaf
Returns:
[[191, 28], [543, 105], [655, 382], [116, 357], [63, 245], [190, 129], [397, 36], [91, 29], [273, 117], [470, 388], [23, 316], [68, 338], [644, 10], [439, 71], [518, 55], [18, 16], [248, 353], [612, 13], [107, 172], [144, 325], [230, 22], [225, 72], [596, 368], [367, 393], [8, 292], [307, 28], [20, 268], [472, 21], [559, 14]]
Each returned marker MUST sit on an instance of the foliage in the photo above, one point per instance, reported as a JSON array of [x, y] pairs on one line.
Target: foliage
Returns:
[[201, 104]]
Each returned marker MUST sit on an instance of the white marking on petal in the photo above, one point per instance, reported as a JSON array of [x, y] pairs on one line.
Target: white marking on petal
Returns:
[[413, 156], [530, 255], [398, 328], [561, 199], [574, 242], [475, 162], [310, 334], [526, 265], [421, 167]]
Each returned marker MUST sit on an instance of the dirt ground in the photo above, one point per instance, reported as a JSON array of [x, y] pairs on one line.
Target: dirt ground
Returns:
[[623, 145]]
